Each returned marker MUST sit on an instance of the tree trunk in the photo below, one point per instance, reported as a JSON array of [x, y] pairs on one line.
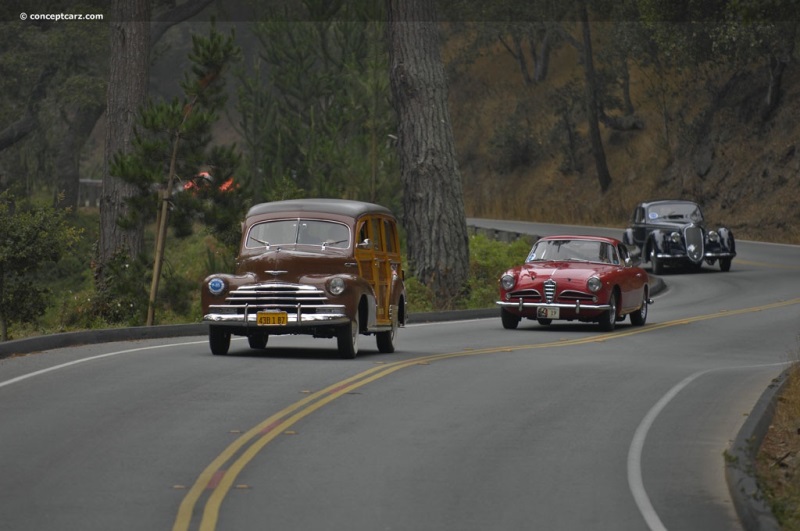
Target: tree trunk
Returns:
[[603, 175], [433, 202], [127, 92], [776, 68], [542, 59], [80, 124]]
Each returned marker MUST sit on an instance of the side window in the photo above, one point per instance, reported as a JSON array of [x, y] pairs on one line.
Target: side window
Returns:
[[623, 253], [377, 240], [638, 215], [363, 235], [612, 254], [388, 231]]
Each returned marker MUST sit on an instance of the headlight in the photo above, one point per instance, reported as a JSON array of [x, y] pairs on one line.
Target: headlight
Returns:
[[594, 284], [336, 286], [216, 286], [713, 236], [508, 281], [675, 237]]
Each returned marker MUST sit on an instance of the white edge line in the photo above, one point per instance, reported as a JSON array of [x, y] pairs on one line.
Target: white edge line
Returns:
[[84, 360], [635, 481]]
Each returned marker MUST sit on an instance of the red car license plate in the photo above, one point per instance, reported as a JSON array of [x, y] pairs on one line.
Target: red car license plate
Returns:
[[272, 318], [547, 313]]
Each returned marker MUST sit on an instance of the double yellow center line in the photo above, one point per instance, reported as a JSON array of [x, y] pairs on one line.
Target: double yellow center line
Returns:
[[218, 477]]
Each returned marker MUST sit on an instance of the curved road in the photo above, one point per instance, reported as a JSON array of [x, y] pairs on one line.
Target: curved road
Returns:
[[466, 427]]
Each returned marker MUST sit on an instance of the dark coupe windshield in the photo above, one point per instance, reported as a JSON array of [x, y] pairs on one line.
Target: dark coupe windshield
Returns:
[[675, 211]]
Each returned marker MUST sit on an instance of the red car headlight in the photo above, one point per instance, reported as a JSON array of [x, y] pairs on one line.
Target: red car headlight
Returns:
[[594, 284], [508, 281]]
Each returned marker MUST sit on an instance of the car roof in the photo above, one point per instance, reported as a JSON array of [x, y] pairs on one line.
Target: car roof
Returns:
[[605, 239], [667, 202], [341, 207]]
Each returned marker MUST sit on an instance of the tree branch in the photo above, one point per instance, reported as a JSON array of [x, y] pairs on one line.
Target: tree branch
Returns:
[[175, 15]]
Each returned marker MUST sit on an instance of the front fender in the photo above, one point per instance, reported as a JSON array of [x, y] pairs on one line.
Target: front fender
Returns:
[[627, 237], [726, 240], [231, 283], [658, 240]]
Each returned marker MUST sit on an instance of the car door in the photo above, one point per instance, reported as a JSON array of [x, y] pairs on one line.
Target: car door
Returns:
[[373, 263], [639, 226], [365, 250], [632, 279]]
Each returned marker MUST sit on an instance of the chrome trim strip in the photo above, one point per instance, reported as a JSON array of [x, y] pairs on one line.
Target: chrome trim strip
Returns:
[[305, 320], [576, 307]]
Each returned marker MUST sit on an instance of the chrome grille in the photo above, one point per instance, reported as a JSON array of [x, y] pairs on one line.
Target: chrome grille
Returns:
[[550, 290], [276, 296], [572, 296], [694, 242], [525, 294]]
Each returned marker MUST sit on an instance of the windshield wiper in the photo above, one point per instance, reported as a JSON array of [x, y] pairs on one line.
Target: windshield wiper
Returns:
[[262, 242]]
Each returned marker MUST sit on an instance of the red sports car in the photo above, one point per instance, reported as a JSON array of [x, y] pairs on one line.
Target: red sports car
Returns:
[[575, 278]]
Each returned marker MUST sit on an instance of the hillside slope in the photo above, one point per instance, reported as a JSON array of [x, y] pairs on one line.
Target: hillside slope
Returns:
[[714, 148]]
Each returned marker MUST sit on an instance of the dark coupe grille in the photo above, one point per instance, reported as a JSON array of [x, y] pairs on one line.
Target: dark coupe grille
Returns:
[[277, 297], [549, 290], [694, 243]]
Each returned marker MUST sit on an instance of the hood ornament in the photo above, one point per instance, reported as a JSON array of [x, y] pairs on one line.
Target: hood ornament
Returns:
[[275, 272]]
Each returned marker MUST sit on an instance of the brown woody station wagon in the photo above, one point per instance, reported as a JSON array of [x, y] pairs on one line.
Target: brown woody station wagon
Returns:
[[321, 267]]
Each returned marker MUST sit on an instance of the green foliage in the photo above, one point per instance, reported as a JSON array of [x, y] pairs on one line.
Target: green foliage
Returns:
[[174, 136], [173, 139], [122, 298], [52, 70], [31, 238], [316, 116], [488, 259]]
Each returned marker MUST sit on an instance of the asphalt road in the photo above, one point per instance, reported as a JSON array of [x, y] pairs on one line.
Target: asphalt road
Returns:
[[466, 427]]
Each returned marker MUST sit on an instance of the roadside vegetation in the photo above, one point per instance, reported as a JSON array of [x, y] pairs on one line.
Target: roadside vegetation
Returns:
[[778, 459], [74, 303]]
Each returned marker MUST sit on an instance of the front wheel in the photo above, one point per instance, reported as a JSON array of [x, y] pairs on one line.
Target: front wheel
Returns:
[[219, 340], [258, 341], [509, 320], [385, 340], [639, 317], [725, 264], [347, 339], [609, 318], [656, 266], [544, 322]]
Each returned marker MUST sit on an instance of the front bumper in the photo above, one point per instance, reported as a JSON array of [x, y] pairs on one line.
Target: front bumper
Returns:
[[576, 307], [681, 255], [330, 316]]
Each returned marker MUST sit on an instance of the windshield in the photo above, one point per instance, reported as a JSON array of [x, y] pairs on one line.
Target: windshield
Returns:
[[573, 250], [675, 211], [299, 231]]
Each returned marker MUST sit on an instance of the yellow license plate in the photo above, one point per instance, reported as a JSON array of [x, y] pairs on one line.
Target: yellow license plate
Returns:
[[272, 318]]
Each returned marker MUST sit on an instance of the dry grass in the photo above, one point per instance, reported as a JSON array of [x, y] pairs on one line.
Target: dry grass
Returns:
[[778, 461], [750, 185]]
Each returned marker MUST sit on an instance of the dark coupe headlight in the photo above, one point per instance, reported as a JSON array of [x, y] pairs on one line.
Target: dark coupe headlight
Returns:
[[216, 286], [675, 237], [713, 236], [507, 281]]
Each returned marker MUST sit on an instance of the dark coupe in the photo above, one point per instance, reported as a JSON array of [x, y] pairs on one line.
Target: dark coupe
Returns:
[[575, 278], [671, 232]]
